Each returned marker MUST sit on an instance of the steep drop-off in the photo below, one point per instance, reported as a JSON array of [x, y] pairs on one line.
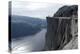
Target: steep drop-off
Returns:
[[59, 31]]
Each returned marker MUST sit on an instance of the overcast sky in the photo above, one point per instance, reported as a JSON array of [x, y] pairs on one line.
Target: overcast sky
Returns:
[[34, 9]]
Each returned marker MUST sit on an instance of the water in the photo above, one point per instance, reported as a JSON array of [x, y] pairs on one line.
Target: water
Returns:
[[29, 43]]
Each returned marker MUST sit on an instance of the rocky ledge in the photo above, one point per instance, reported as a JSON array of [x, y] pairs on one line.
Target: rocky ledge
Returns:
[[61, 31]]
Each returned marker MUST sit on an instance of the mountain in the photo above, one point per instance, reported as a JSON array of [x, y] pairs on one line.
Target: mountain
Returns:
[[62, 32], [30, 20], [22, 26], [67, 11]]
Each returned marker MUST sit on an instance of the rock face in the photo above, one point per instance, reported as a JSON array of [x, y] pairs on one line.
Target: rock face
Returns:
[[66, 11], [59, 31]]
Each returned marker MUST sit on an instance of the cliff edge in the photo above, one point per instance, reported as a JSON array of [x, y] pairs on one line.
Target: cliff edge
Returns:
[[62, 29]]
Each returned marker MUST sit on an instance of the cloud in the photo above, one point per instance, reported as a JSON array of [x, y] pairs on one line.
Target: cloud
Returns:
[[35, 6], [34, 9], [29, 5]]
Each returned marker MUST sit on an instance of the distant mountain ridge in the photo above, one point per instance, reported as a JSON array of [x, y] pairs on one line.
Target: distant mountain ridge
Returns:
[[27, 19], [22, 26]]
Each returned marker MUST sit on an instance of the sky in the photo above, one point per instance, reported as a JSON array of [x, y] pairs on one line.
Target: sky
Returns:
[[34, 9]]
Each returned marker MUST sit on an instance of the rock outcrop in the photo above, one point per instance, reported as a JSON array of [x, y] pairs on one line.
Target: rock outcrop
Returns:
[[59, 31]]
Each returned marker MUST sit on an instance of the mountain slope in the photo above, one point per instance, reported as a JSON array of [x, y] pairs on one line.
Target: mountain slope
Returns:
[[22, 26]]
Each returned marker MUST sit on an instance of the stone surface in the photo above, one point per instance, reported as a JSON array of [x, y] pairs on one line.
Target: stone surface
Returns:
[[60, 31]]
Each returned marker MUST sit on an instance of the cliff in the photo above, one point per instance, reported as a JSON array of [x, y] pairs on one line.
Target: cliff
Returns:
[[61, 30]]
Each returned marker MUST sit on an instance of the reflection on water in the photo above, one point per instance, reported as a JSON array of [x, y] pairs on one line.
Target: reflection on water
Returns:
[[29, 43]]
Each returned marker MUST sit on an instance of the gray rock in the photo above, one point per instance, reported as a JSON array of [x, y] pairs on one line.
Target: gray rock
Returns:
[[59, 32]]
